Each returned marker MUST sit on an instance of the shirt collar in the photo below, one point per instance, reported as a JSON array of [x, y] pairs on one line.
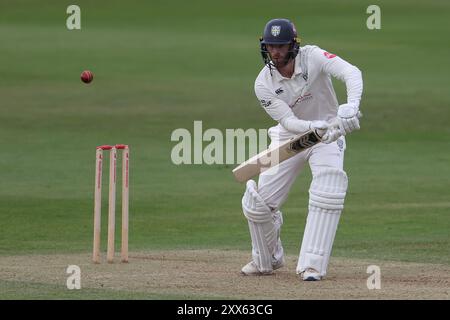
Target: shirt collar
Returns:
[[297, 70]]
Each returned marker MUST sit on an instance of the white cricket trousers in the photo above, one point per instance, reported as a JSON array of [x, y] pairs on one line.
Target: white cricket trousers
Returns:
[[274, 184]]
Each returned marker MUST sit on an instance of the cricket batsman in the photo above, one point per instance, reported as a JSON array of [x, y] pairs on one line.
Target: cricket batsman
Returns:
[[295, 89]]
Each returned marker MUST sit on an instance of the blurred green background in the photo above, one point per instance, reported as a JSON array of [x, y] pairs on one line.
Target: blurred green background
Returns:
[[161, 65]]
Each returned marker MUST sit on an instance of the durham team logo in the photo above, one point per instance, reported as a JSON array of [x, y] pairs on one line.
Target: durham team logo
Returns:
[[275, 30]]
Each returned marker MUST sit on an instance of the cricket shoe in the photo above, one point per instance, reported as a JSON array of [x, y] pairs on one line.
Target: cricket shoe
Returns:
[[250, 269], [310, 274]]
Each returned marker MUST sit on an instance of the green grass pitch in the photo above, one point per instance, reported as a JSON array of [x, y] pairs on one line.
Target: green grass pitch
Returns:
[[161, 65]]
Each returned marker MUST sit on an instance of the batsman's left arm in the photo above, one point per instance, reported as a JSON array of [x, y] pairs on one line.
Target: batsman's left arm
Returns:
[[348, 114], [342, 70]]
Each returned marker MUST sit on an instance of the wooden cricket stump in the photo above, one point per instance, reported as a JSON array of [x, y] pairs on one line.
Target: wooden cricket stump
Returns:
[[112, 201]]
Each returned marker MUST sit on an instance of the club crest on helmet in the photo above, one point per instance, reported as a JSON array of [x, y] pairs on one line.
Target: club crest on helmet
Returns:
[[275, 30]]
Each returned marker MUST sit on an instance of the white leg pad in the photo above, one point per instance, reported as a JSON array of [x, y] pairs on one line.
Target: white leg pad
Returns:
[[326, 202], [263, 231], [278, 253]]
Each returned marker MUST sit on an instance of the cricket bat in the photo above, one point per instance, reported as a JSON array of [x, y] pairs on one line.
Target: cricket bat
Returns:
[[274, 156]]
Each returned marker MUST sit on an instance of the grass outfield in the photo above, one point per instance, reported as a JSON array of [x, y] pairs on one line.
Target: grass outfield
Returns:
[[161, 66]]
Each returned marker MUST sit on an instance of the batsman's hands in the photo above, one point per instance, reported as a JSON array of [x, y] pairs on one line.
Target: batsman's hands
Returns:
[[332, 134], [348, 119], [328, 131], [319, 126]]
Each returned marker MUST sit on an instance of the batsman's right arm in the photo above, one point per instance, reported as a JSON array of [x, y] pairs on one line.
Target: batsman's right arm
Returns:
[[280, 111]]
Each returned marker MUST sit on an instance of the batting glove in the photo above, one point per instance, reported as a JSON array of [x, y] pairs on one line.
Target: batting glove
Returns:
[[319, 126], [347, 117], [331, 135]]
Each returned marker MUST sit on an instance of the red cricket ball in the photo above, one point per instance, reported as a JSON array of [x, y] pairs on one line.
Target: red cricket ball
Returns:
[[87, 76]]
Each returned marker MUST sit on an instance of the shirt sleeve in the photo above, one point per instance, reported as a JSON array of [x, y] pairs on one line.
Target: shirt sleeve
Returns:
[[279, 110], [339, 68]]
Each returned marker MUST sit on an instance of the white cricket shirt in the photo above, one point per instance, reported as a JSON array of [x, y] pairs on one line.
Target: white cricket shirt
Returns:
[[309, 94]]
